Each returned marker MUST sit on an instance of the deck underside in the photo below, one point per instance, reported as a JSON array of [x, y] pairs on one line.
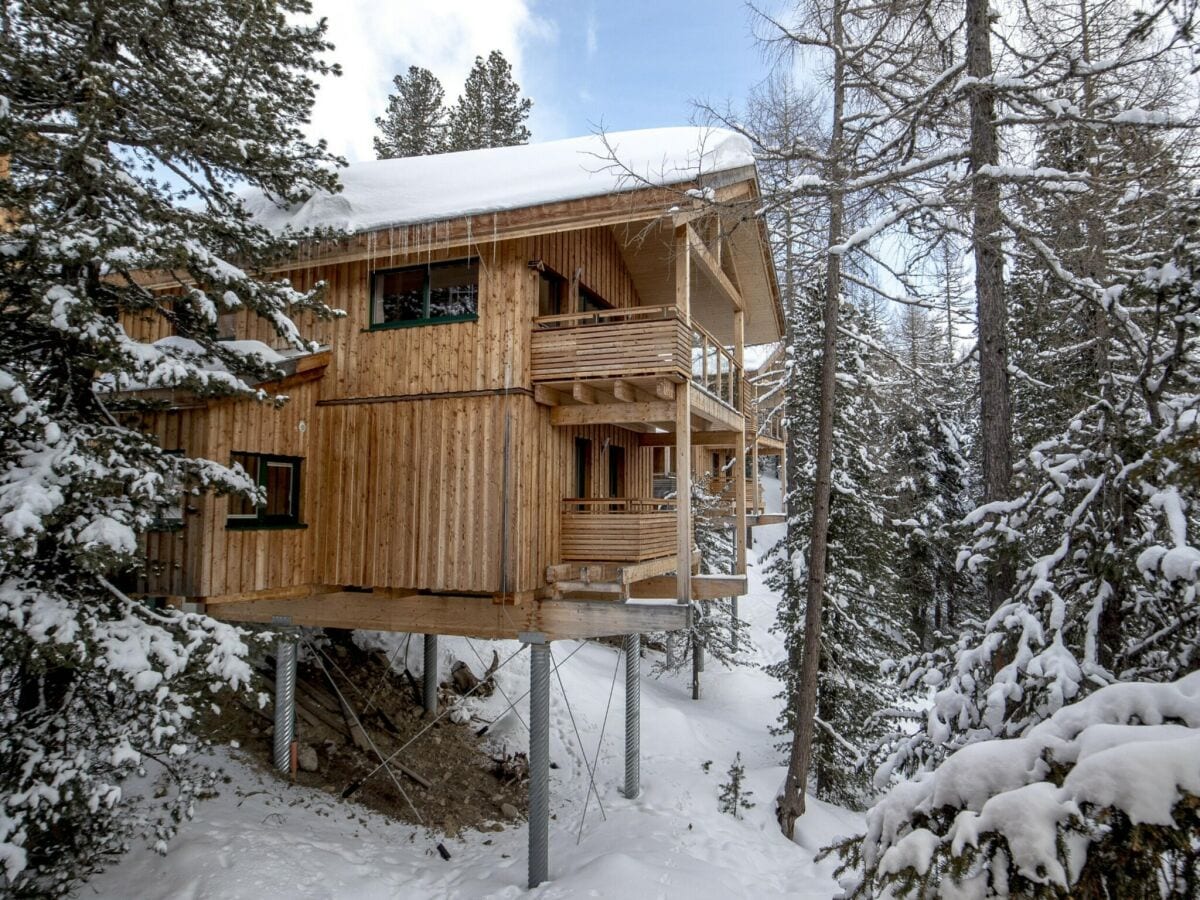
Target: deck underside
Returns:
[[479, 617]]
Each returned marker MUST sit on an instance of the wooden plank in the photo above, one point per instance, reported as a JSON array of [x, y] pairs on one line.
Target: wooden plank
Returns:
[[699, 439], [704, 587], [479, 617], [613, 413]]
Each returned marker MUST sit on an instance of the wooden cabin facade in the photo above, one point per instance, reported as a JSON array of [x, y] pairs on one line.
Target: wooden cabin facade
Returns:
[[481, 430]]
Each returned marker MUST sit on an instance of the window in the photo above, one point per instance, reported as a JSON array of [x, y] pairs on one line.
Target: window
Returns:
[[279, 476], [590, 301], [583, 460], [552, 293], [426, 294], [616, 471]]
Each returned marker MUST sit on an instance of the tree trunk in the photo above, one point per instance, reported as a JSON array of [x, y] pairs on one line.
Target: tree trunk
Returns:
[[804, 698], [992, 313]]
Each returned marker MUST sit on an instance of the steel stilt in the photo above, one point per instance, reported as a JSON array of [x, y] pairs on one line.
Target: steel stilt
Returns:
[[429, 678], [285, 703], [539, 763], [633, 720]]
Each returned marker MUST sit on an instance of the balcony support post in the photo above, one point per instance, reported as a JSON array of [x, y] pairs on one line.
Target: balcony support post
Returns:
[[683, 429], [739, 466]]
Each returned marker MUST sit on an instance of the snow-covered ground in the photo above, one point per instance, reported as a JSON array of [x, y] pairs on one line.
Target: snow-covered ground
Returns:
[[264, 839]]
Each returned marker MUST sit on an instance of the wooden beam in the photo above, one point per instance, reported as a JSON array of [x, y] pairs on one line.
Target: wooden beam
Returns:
[[582, 393], [739, 447], [664, 389], [699, 439], [704, 587], [712, 269], [279, 593], [480, 617], [546, 396], [624, 391], [683, 425], [614, 413]]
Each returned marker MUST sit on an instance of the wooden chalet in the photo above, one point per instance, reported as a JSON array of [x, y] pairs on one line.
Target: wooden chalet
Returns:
[[532, 336], [541, 347]]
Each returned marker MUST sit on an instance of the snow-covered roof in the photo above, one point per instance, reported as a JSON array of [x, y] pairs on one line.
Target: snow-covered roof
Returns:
[[406, 191]]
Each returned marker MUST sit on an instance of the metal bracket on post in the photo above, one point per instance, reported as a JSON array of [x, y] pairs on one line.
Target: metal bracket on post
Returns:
[[285, 701], [539, 757], [429, 681], [633, 719]]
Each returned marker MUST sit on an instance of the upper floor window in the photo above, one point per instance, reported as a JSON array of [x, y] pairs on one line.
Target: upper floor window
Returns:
[[590, 301], [426, 294], [279, 476], [552, 293]]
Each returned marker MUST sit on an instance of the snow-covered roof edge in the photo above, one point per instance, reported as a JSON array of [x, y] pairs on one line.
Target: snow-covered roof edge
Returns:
[[414, 190]]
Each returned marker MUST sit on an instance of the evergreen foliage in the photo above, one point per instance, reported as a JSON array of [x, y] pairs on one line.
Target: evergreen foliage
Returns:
[[734, 799], [713, 627], [490, 112], [863, 621], [128, 127], [415, 121]]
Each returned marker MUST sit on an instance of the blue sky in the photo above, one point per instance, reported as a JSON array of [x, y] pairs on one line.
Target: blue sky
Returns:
[[639, 65], [626, 64]]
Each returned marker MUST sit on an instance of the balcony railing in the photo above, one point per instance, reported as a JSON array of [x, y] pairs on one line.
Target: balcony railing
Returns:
[[617, 529], [714, 369], [612, 343]]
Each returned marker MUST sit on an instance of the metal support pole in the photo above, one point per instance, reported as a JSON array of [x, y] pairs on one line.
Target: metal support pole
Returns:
[[285, 702], [633, 717], [697, 666], [539, 761], [429, 679]]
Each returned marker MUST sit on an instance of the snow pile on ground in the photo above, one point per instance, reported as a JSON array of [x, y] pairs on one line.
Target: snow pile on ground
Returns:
[[386, 192], [263, 839]]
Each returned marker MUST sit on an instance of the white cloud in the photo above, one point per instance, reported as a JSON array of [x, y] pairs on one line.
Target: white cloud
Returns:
[[375, 41]]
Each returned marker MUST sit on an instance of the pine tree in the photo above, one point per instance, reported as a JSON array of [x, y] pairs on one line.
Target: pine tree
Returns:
[[490, 112], [415, 121], [930, 473], [734, 798], [128, 128], [862, 621]]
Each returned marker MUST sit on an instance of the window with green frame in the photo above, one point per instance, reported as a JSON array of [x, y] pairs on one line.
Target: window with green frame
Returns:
[[279, 477], [427, 294]]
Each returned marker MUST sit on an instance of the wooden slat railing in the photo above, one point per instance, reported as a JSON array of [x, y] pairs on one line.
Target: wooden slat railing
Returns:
[[617, 529], [611, 343]]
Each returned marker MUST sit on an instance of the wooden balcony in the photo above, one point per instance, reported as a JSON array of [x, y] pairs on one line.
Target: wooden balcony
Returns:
[[617, 530], [640, 342], [628, 364]]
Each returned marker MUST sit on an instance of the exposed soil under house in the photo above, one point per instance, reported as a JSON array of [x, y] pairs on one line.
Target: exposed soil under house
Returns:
[[452, 780]]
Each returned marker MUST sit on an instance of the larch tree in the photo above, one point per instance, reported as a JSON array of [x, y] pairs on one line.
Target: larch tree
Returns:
[[490, 112], [128, 129], [415, 121], [873, 58]]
